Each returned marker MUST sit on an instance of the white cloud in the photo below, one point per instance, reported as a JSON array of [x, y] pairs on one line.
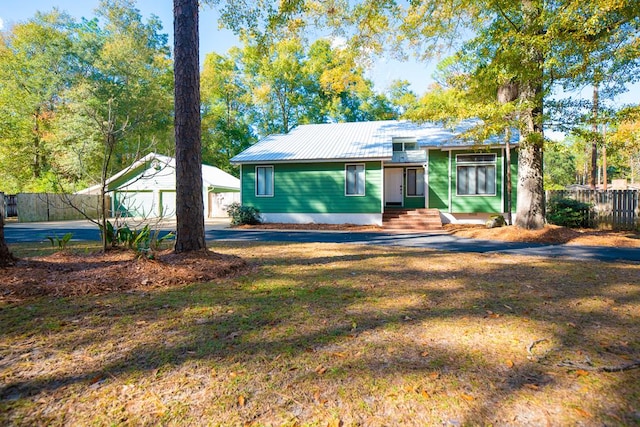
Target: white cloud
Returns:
[[1, 23]]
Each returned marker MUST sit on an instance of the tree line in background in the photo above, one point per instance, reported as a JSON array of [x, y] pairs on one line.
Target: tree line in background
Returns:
[[81, 99], [84, 99], [509, 58]]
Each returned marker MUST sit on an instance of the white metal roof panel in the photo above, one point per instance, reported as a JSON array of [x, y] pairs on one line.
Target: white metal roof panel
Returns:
[[355, 140]]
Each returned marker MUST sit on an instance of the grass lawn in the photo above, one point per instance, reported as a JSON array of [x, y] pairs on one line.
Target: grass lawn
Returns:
[[328, 335]]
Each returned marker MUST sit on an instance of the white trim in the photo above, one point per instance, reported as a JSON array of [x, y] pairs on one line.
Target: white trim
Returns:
[[324, 218], [449, 172], [406, 182], [273, 173], [241, 178], [426, 181], [476, 165], [336, 160], [463, 164], [503, 178], [495, 157], [466, 218], [364, 170]]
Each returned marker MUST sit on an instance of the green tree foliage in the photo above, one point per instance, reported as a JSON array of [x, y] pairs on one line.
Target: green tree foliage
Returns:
[[525, 43], [121, 98], [35, 61], [559, 166], [81, 99], [226, 106], [272, 87], [625, 140]]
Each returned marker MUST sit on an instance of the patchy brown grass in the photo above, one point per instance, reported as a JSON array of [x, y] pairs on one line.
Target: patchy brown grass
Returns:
[[325, 334]]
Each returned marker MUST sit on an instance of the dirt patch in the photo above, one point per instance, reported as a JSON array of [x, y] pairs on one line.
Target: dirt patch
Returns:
[[66, 273], [550, 234]]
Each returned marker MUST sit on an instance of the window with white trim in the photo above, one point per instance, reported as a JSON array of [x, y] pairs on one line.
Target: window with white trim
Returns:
[[476, 174], [264, 181], [415, 182], [355, 180]]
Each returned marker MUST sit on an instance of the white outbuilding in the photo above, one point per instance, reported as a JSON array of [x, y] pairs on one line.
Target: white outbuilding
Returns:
[[147, 189]]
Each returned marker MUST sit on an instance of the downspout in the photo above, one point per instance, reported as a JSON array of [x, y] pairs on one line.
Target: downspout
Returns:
[[381, 191], [450, 195], [241, 198]]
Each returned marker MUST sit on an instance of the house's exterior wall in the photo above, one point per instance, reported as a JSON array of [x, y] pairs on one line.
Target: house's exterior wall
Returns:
[[441, 164], [484, 203], [438, 180], [313, 188], [413, 202]]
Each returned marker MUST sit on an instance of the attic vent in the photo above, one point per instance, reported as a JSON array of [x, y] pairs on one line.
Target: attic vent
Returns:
[[156, 165]]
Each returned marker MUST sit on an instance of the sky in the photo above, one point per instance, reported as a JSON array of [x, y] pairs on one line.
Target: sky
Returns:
[[214, 39]]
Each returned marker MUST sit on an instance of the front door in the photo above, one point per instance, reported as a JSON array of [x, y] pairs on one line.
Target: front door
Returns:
[[393, 187]]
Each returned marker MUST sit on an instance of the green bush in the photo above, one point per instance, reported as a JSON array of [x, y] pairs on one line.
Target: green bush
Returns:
[[241, 215], [568, 213]]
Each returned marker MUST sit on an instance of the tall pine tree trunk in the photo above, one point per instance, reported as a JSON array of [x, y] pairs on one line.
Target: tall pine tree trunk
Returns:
[[189, 202], [6, 258], [530, 210]]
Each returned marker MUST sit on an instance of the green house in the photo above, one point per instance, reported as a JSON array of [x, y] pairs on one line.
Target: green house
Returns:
[[364, 172]]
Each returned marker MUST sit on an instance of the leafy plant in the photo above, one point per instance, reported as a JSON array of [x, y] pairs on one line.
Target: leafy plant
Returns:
[[241, 215], [61, 242], [111, 233], [143, 241], [568, 213]]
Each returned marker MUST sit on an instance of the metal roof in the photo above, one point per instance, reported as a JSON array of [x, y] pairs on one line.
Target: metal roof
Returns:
[[212, 177], [354, 140]]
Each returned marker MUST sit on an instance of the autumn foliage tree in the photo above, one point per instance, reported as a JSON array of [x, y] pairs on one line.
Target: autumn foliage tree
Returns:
[[527, 42]]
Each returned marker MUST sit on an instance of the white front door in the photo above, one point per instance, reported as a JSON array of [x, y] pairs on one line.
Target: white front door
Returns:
[[393, 187]]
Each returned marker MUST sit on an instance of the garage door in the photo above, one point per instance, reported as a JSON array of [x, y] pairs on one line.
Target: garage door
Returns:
[[168, 200], [135, 204]]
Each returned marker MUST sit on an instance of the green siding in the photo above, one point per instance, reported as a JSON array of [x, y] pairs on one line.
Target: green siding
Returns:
[[413, 202], [464, 204], [313, 188], [438, 179], [439, 184]]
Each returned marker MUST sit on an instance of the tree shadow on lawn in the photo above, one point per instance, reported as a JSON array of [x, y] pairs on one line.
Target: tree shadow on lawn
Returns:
[[457, 331]]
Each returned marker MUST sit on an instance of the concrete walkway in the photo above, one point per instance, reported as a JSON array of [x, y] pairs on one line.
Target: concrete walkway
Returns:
[[217, 229]]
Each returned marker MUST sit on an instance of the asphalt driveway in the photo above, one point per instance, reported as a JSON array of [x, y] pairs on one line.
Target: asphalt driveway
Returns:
[[216, 230]]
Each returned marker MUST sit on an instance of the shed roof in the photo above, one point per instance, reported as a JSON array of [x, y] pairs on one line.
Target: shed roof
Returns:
[[212, 177], [354, 140]]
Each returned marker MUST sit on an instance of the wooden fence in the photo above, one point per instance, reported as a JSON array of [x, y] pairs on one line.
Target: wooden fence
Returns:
[[56, 207], [11, 205], [616, 209]]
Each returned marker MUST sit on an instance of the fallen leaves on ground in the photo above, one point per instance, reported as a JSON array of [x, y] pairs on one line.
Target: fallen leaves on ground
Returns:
[[66, 273]]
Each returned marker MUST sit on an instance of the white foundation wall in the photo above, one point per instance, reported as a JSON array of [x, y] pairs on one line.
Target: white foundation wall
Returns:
[[317, 218], [469, 218]]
